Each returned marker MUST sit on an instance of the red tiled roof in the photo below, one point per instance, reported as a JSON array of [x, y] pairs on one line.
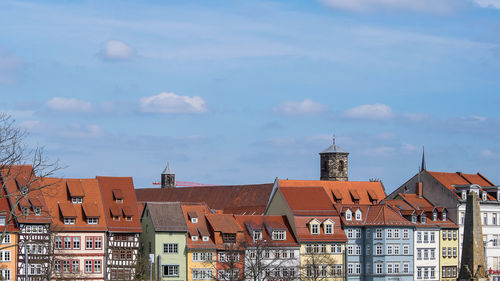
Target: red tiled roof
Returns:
[[200, 227], [36, 202], [16, 177], [127, 211], [58, 194], [237, 198], [223, 223], [117, 194], [67, 210], [257, 222], [125, 185], [115, 211], [75, 188], [304, 232], [308, 200], [346, 188], [380, 214], [450, 179]]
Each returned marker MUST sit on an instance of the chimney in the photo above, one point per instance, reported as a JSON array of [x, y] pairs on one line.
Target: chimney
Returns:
[[420, 189]]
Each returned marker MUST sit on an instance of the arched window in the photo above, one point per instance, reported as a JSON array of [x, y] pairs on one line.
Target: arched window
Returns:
[[341, 166]]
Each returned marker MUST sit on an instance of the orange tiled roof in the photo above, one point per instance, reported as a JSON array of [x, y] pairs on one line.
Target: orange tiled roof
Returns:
[[308, 200], [348, 190], [223, 223], [380, 214], [250, 223], [75, 188], [109, 187], [450, 179], [304, 233], [57, 195], [13, 179], [200, 227]]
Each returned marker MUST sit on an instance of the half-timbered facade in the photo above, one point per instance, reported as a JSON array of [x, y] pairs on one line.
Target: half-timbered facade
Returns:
[[124, 227]]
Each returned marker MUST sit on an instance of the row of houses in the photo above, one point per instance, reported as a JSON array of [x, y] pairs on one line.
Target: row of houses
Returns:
[[67, 229]]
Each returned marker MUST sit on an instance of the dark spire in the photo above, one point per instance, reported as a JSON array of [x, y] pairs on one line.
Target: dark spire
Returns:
[[422, 167]]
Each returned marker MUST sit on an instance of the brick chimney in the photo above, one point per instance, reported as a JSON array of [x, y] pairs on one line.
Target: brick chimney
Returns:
[[420, 189]]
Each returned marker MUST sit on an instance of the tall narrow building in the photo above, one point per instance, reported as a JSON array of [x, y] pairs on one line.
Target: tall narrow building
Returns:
[[334, 163], [167, 177]]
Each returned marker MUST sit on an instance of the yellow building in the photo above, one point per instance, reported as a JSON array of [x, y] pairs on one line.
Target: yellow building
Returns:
[[8, 257], [201, 264], [448, 257], [327, 258]]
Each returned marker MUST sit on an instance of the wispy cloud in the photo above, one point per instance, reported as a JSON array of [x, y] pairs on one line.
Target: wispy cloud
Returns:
[[115, 50], [305, 107], [59, 104], [377, 111], [10, 67], [73, 131], [495, 4], [172, 103], [433, 6]]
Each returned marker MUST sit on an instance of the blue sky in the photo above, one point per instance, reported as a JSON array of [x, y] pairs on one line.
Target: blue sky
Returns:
[[239, 92]]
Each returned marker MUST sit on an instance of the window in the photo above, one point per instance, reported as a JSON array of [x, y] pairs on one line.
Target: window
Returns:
[[93, 266], [406, 234], [278, 235], [205, 238], [4, 256], [97, 266], [378, 249], [454, 252], [350, 249], [443, 215], [170, 248], [350, 233], [116, 218], [5, 274], [426, 254], [76, 242], [389, 233], [449, 234], [464, 194], [97, 242], [6, 239], [89, 242], [257, 235], [202, 274], [314, 229], [328, 229], [444, 252], [194, 237], [485, 219], [379, 268], [494, 219], [406, 267], [484, 196], [449, 252], [389, 249], [414, 219], [396, 249], [433, 254], [92, 220], [419, 237], [433, 237], [434, 216], [426, 237], [358, 232], [69, 220], [419, 254], [422, 219], [406, 249], [67, 242], [379, 233], [194, 220], [203, 256], [57, 266], [2, 220], [77, 200], [336, 270], [336, 248], [358, 250], [38, 211], [75, 266], [358, 215], [462, 217], [396, 233], [348, 215]]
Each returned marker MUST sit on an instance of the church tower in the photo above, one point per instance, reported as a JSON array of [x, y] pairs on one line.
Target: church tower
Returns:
[[334, 163], [167, 177]]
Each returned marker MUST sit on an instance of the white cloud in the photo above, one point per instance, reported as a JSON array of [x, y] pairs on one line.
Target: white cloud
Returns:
[[306, 107], [376, 111], [439, 6], [10, 66], [69, 105], [172, 103], [495, 4], [114, 50]]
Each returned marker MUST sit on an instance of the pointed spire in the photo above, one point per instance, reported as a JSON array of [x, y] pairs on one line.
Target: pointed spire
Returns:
[[333, 139], [422, 166], [167, 170]]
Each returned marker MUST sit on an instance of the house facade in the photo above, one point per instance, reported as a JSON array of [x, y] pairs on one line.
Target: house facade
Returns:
[[164, 236], [8, 243], [78, 228], [124, 227]]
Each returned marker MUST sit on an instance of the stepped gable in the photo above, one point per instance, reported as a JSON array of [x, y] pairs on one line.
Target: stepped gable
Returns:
[[199, 228], [344, 192], [266, 224], [167, 216], [58, 195], [119, 201], [17, 178], [237, 198]]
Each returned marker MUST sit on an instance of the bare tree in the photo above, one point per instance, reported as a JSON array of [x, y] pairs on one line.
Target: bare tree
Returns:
[[14, 151]]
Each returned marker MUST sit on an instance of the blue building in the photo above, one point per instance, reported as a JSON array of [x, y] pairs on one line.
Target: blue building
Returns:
[[380, 243]]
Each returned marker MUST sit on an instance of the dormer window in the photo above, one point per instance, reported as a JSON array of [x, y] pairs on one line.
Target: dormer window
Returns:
[[194, 238], [228, 237], [434, 216], [464, 194], [38, 211], [279, 235], [24, 190], [329, 228], [77, 200], [348, 215], [205, 238], [128, 218], [26, 211], [443, 215], [314, 229], [484, 196], [194, 220], [2, 220], [422, 219], [414, 219], [118, 195], [257, 235], [92, 220], [116, 218], [119, 201], [358, 215], [69, 220]]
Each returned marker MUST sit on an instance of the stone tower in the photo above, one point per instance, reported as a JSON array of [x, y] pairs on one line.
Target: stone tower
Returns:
[[167, 177], [473, 265], [334, 163]]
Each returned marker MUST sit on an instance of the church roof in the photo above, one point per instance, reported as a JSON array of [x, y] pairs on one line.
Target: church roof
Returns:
[[333, 148], [167, 170]]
